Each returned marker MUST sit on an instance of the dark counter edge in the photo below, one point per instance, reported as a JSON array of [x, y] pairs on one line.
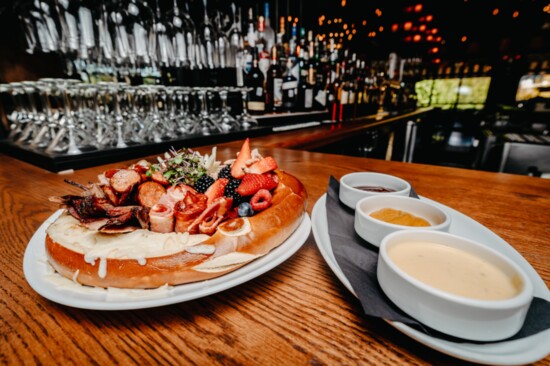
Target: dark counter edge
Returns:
[[86, 159]]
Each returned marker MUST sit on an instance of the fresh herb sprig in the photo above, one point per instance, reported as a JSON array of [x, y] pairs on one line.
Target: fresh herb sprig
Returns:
[[180, 166]]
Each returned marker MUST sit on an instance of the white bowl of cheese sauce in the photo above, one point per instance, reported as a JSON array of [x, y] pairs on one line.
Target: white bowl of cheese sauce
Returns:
[[454, 285]]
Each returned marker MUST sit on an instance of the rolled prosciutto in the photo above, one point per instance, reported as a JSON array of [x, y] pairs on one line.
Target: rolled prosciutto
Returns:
[[161, 218]]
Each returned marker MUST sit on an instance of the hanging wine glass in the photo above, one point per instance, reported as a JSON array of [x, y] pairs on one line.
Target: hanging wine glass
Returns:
[[161, 50], [106, 47], [207, 41], [182, 35], [28, 24], [235, 37]]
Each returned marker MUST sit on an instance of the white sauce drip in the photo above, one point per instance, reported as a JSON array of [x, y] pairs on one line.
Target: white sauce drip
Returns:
[[138, 245]]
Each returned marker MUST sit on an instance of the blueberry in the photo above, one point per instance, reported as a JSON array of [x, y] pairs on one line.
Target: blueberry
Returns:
[[245, 209]]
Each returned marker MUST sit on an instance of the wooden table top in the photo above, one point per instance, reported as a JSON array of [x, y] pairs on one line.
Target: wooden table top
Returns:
[[298, 313]]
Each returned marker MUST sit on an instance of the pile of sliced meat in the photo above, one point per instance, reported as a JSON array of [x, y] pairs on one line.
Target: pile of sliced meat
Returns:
[[128, 199]]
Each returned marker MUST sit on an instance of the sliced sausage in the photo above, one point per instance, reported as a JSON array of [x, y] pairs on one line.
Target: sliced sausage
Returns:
[[124, 180], [149, 193]]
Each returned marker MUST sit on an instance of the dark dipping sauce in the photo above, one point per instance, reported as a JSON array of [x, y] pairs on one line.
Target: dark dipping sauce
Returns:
[[375, 189]]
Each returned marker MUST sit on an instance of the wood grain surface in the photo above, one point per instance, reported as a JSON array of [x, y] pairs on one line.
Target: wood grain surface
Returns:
[[296, 314]]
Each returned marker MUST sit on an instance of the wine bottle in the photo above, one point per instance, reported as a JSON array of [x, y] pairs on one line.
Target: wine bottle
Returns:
[[255, 82], [274, 84], [290, 88]]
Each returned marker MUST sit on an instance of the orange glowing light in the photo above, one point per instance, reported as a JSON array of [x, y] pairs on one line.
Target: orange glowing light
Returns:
[[429, 18], [417, 38], [515, 14], [407, 26], [496, 11], [418, 8], [364, 22], [438, 39], [378, 12], [435, 50], [345, 26], [463, 39], [422, 27], [437, 61], [343, 3], [394, 27], [434, 31], [429, 38]]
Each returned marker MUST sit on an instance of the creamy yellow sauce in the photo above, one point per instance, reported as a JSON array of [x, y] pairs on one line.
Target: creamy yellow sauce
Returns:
[[454, 270], [399, 217]]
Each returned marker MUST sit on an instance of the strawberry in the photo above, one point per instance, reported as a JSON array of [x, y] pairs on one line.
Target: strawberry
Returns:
[[252, 183], [261, 200], [216, 190], [237, 169], [264, 165]]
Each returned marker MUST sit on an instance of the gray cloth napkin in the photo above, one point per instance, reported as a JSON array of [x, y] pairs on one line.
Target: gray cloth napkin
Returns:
[[358, 260]]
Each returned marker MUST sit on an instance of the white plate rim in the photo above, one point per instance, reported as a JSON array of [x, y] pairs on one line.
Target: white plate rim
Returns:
[[35, 268], [516, 352]]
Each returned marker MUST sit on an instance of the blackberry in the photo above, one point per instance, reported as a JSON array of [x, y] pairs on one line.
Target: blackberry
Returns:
[[230, 191], [225, 172], [202, 184]]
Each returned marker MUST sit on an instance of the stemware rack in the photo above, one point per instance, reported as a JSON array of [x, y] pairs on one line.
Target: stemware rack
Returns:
[[58, 162]]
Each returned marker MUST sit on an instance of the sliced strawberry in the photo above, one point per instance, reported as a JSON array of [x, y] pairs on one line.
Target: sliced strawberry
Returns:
[[237, 169], [264, 165], [261, 200], [252, 183], [216, 190]]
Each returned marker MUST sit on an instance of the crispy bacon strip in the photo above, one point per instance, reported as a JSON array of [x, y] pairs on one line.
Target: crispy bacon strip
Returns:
[[210, 218], [188, 209]]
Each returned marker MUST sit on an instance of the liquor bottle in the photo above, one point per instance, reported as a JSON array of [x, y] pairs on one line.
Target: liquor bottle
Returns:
[[290, 88], [312, 65], [305, 89], [293, 51], [255, 82], [249, 42], [274, 84], [281, 51], [344, 92], [269, 33], [262, 46], [335, 93]]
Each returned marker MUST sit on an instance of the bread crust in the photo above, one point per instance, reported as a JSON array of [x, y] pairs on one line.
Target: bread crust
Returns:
[[269, 229]]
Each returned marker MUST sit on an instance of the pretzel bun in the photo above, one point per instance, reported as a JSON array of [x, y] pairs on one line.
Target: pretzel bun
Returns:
[[144, 259]]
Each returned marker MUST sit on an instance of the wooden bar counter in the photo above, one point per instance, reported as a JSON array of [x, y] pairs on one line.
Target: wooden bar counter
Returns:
[[298, 313]]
